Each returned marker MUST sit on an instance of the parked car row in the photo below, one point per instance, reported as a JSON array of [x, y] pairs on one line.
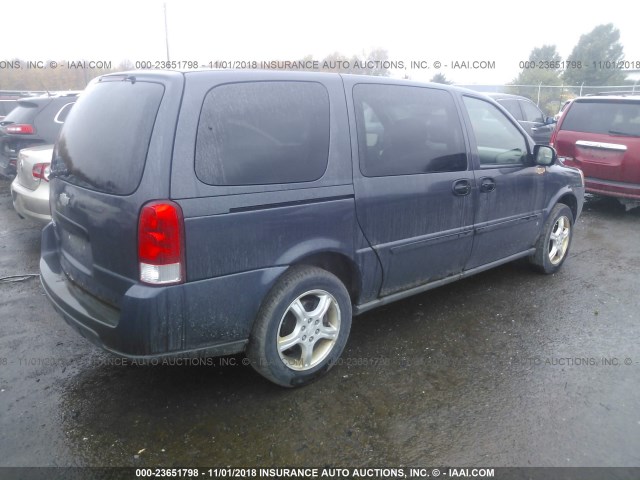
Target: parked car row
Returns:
[[217, 212], [27, 135], [17, 135], [600, 134], [538, 125], [34, 121]]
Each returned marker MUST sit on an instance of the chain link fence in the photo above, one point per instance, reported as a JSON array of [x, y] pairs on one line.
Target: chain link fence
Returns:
[[551, 97]]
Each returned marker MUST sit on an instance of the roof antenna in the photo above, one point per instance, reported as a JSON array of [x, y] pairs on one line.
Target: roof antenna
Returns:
[[166, 30]]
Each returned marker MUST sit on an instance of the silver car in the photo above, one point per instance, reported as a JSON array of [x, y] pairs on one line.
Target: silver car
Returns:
[[30, 188]]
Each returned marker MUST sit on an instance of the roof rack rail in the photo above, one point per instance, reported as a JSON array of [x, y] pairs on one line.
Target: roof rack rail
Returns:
[[22, 93], [621, 93]]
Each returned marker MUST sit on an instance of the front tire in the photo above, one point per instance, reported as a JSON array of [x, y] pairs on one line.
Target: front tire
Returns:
[[553, 245], [301, 328]]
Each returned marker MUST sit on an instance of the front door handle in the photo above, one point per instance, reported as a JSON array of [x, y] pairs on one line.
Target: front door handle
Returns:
[[487, 185], [461, 187]]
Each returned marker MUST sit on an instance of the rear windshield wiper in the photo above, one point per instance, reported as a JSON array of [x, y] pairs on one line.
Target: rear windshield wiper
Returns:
[[626, 134]]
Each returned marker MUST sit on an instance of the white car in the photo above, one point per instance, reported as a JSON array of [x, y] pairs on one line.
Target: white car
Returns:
[[30, 188]]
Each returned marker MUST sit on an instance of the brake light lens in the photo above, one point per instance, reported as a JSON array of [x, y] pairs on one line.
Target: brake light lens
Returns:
[[554, 133], [161, 243], [20, 129], [41, 171]]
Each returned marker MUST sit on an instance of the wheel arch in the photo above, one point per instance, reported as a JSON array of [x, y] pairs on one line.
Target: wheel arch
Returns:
[[567, 197], [570, 201], [339, 265]]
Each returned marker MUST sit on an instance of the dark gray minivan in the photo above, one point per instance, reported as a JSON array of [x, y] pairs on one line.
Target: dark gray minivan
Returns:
[[216, 212], [538, 125]]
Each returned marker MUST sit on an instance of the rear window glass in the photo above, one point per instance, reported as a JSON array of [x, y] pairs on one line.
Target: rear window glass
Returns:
[[103, 144], [24, 112], [612, 118], [263, 133], [6, 106]]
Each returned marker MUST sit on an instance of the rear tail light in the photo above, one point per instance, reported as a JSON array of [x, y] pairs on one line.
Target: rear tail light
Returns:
[[552, 140], [20, 129], [554, 132], [161, 243], [41, 171]]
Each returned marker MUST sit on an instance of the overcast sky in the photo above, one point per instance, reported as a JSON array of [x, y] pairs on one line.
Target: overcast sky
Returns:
[[446, 31]]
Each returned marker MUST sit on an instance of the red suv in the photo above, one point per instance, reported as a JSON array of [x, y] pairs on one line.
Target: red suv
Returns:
[[601, 136]]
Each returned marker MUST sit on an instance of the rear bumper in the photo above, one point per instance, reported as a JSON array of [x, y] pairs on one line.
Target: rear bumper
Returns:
[[32, 204], [206, 318], [612, 188]]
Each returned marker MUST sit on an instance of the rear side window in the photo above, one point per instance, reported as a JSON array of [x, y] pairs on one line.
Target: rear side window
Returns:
[[61, 116], [25, 111], [608, 118], [103, 144], [263, 133], [405, 130]]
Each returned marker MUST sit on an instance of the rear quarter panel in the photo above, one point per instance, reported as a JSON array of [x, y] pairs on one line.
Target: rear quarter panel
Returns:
[[247, 235]]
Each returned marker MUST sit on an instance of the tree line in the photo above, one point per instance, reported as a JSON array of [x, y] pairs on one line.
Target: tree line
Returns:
[[596, 60], [593, 61]]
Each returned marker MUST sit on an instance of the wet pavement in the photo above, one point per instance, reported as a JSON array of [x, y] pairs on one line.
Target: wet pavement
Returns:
[[507, 368]]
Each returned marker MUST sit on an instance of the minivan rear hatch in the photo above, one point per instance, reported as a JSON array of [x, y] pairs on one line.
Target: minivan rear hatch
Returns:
[[602, 137], [113, 155]]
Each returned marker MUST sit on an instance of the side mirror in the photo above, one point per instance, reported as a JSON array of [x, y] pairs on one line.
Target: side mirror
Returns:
[[544, 155], [550, 120]]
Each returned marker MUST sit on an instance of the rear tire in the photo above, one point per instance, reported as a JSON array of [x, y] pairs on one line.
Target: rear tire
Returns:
[[553, 245], [302, 327]]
